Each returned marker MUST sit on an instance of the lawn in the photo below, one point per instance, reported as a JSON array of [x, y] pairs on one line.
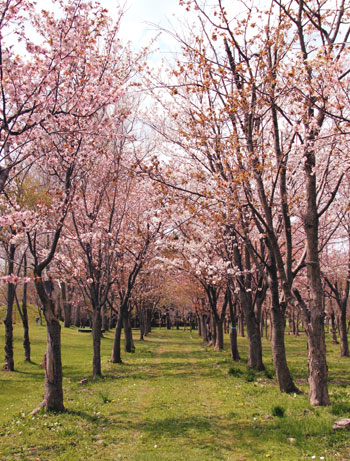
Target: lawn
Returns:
[[173, 399]]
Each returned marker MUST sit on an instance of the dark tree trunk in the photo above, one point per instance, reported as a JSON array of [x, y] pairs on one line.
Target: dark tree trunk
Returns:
[[105, 319], [23, 312], [66, 306], [142, 322], [129, 343], [266, 323], [53, 396], [241, 323], [96, 340], [76, 316], [318, 369], [284, 378], [116, 355], [344, 343], [262, 322], [204, 328], [9, 364], [334, 330], [148, 324], [219, 342], [213, 330], [26, 341], [199, 326], [254, 339], [233, 330], [168, 321]]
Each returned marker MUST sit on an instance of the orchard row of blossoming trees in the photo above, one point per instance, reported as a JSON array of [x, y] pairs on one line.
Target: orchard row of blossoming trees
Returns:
[[260, 118], [247, 192], [72, 208]]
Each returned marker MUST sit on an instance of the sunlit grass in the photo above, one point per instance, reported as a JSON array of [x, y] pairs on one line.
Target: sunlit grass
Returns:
[[174, 399]]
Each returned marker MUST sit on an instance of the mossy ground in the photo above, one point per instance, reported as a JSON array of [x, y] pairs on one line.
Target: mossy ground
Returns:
[[173, 399]]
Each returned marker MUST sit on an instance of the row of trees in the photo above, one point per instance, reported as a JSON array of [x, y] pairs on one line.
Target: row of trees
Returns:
[[259, 115], [244, 189], [72, 208]]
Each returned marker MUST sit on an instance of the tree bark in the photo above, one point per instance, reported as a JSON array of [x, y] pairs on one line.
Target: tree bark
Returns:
[[53, 397], [129, 343], [334, 329], [142, 322], [213, 330], [26, 341], [148, 324], [9, 364], [343, 335], [105, 318], [116, 355], [96, 340], [204, 328], [219, 343], [66, 306], [318, 370], [254, 339], [233, 331], [284, 377]]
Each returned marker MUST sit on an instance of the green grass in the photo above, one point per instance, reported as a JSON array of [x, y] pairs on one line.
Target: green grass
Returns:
[[172, 400]]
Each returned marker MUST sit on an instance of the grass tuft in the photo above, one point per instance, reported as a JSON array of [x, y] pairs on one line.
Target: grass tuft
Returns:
[[235, 372], [278, 411]]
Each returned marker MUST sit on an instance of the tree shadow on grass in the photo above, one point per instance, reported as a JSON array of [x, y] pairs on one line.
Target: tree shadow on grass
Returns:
[[211, 433]]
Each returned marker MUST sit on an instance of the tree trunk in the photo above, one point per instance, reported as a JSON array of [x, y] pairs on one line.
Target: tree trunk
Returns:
[[116, 356], [53, 397], [148, 324], [9, 364], [142, 322], [204, 328], [284, 378], [26, 341], [128, 344], [76, 316], [254, 339], [219, 343], [96, 340], [66, 306], [241, 323], [105, 318], [233, 331], [213, 330], [334, 330], [344, 343], [199, 326], [318, 370], [266, 322], [168, 321]]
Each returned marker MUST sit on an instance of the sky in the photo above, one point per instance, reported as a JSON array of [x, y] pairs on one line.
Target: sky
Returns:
[[136, 25]]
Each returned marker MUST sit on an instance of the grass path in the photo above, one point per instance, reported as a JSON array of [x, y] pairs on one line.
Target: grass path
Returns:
[[173, 399]]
